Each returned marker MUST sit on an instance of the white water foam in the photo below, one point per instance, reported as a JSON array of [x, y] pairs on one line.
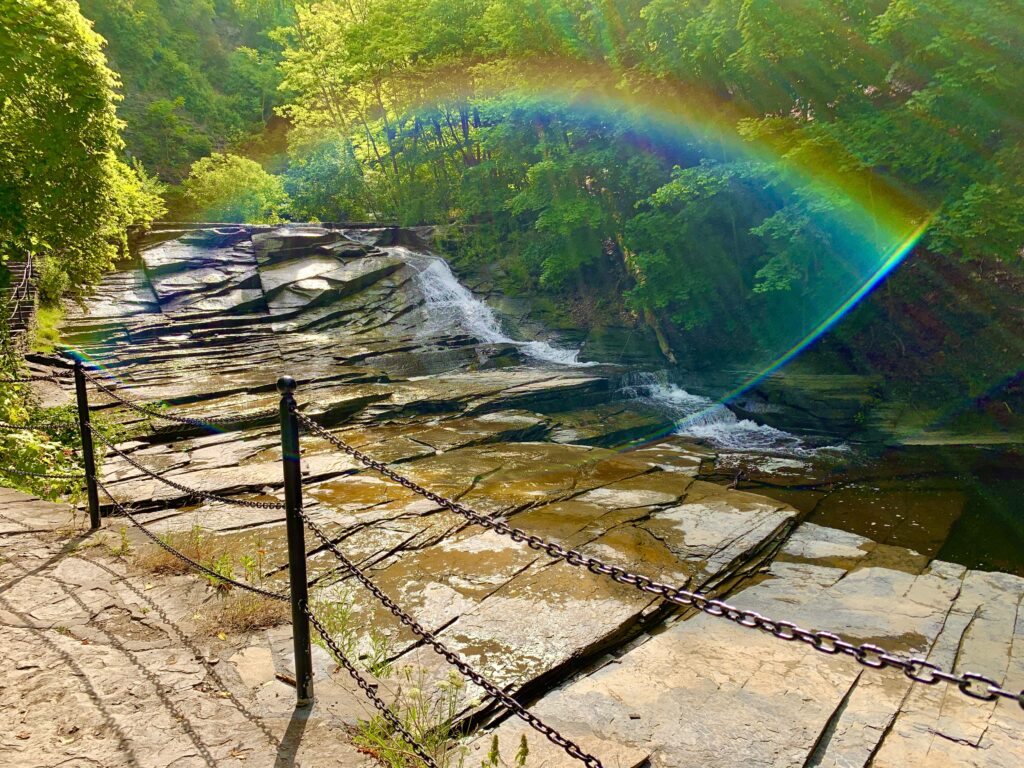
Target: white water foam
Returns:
[[703, 418], [450, 304]]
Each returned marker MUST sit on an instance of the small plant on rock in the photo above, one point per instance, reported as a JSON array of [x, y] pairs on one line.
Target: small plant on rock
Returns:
[[192, 543], [124, 547], [428, 717], [336, 616], [238, 610], [493, 759], [379, 663]]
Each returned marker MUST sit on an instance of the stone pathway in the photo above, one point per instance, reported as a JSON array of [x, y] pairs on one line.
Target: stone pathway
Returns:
[[102, 667]]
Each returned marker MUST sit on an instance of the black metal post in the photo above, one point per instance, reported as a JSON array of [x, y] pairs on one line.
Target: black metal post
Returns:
[[88, 456], [296, 542]]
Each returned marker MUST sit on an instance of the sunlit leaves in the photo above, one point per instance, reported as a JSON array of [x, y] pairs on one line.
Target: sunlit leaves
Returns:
[[233, 188], [66, 196]]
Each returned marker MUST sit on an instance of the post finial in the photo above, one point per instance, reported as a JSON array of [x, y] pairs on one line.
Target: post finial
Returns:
[[286, 385]]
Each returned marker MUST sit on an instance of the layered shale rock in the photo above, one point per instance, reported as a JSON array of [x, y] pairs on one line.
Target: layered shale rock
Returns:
[[707, 692], [206, 327]]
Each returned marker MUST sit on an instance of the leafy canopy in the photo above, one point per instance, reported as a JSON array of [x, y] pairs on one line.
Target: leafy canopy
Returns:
[[64, 194], [236, 189]]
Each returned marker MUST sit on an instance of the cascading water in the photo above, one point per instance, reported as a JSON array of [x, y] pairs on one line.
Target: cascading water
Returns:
[[451, 305], [700, 417]]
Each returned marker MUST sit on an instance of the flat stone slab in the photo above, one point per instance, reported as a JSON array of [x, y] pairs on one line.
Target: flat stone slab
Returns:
[[708, 692], [475, 587]]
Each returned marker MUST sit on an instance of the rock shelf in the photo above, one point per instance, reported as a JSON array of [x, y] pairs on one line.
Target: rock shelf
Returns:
[[207, 326]]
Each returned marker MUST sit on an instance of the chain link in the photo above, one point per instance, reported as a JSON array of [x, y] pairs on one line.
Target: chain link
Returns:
[[9, 471], [452, 658], [26, 379], [866, 654], [186, 420], [14, 428], [125, 512], [368, 689], [184, 488]]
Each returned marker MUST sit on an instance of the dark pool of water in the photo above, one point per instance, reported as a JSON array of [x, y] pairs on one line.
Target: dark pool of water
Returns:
[[960, 504]]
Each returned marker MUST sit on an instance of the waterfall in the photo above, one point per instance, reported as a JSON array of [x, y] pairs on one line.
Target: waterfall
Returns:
[[450, 305], [703, 418]]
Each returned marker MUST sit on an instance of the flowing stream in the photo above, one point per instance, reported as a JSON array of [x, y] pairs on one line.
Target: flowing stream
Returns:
[[703, 418], [956, 503], [451, 305]]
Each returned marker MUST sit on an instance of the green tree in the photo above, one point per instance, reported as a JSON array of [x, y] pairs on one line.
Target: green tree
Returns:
[[233, 188], [64, 195], [481, 111], [199, 75], [325, 181]]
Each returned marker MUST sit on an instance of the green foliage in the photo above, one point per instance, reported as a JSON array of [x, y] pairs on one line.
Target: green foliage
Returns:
[[45, 333], [233, 188], [872, 94], [493, 759], [64, 195], [199, 75], [47, 440], [483, 112], [335, 613], [325, 182]]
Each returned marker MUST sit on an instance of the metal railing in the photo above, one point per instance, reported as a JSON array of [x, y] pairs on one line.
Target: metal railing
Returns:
[[292, 422], [19, 300]]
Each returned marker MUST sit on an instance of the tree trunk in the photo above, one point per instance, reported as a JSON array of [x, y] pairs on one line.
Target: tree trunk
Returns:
[[655, 325]]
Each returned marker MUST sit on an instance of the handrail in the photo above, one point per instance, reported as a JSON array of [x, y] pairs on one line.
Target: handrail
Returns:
[[868, 655]]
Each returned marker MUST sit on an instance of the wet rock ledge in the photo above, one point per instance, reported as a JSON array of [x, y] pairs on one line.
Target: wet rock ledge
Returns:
[[207, 322]]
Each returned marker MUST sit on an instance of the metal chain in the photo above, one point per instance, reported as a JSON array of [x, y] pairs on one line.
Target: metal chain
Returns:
[[15, 428], [867, 654], [452, 658], [192, 422], [184, 488], [123, 510], [368, 689], [27, 379], [9, 471]]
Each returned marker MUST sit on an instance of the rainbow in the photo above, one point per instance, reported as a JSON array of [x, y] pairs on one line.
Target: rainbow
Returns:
[[878, 222]]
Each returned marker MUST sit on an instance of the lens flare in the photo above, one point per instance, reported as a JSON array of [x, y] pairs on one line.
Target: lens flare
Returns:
[[870, 224]]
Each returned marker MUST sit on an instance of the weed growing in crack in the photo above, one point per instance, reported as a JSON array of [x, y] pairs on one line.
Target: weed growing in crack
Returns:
[[493, 759], [124, 547], [237, 610], [379, 663], [336, 616], [428, 717], [193, 543]]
